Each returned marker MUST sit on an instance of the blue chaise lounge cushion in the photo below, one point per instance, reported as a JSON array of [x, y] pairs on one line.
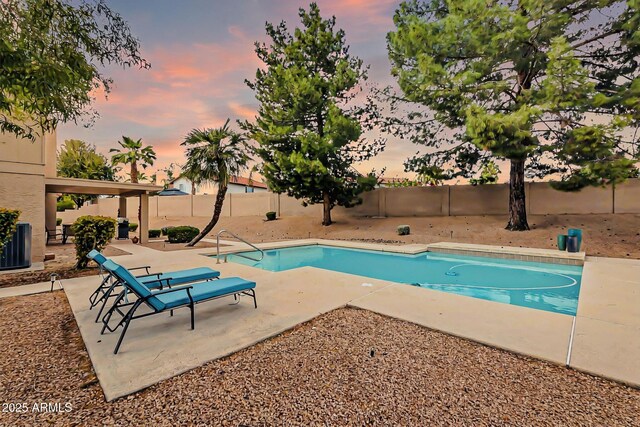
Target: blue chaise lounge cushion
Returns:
[[177, 277], [206, 290], [96, 256], [180, 277]]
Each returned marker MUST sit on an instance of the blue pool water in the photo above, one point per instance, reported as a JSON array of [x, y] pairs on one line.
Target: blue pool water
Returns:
[[542, 286]]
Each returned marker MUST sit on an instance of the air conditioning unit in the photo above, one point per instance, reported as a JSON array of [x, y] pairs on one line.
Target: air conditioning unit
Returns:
[[17, 251]]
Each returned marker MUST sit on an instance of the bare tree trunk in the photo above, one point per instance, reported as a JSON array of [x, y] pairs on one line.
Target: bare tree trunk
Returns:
[[326, 204], [517, 205], [222, 191], [134, 172]]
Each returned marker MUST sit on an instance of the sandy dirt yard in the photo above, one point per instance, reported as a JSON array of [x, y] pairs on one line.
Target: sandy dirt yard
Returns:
[[604, 235], [348, 367]]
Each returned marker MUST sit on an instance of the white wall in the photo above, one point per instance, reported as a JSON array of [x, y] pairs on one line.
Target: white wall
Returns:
[[183, 184]]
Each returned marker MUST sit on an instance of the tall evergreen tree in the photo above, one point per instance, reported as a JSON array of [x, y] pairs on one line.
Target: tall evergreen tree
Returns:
[[551, 86], [308, 132]]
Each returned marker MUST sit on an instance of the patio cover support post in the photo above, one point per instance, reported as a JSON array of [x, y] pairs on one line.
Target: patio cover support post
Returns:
[[144, 218], [50, 200], [122, 206]]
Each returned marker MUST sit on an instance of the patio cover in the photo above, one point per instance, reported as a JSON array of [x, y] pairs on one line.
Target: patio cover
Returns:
[[112, 188], [95, 187]]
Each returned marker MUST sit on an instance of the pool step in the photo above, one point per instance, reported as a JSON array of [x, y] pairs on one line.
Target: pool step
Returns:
[[551, 256]]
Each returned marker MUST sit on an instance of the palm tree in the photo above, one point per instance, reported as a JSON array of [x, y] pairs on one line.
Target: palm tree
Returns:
[[169, 170], [214, 156], [133, 153]]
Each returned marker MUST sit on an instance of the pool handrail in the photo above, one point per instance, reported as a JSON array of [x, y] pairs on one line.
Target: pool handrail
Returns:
[[237, 254]]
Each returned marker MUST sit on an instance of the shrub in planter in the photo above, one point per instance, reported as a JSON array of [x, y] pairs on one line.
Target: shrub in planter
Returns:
[[91, 232], [58, 221], [403, 230], [154, 233], [182, 234], [271, 216], [8, 221], [133, 226], [165, 230]]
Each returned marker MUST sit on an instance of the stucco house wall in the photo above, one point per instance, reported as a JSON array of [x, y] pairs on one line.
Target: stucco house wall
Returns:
[[23, 167]]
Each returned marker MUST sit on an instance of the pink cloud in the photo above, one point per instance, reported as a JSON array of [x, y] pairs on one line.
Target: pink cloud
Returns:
[[362, 11], [197, 85], [247, 112], [189, 85]]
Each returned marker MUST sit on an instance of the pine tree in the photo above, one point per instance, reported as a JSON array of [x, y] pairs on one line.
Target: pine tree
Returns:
[[308, 137], [551, 86]]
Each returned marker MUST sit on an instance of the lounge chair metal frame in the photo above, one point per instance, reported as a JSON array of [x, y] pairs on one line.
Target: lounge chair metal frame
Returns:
[[108, 285], [130, 313], [110, 282]]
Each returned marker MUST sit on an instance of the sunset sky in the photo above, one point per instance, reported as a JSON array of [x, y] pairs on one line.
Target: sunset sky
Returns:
[[201, 52]]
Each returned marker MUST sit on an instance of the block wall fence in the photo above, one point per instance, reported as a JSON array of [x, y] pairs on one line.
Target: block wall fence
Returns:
[[447, 200]]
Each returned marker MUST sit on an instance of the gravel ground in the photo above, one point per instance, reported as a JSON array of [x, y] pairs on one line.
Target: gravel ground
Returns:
[[348, 367]]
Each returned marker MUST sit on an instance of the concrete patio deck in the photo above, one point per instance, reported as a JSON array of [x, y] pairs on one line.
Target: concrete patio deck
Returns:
[[606, 339]]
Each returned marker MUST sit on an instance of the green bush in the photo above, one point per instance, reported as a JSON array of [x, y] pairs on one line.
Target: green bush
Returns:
[[58, 221], [403, 230], [182, 234], [154, 233], [64, 204], [133, 226], [165, 230], [271, 216], [91, 232], [8, 221]]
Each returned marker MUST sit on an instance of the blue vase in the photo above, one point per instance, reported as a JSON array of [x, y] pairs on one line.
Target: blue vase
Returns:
[[576, 232], [572, 244], [562, 242]]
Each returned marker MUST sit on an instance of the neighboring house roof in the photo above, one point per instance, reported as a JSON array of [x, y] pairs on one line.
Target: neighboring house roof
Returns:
[[172, 192], [239, 180]]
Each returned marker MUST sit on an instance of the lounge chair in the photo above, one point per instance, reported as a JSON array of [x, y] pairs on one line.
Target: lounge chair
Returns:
[[151, 280], [167, 299]]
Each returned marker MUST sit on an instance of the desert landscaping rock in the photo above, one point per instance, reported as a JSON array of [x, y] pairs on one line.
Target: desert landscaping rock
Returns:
[[348, 367]]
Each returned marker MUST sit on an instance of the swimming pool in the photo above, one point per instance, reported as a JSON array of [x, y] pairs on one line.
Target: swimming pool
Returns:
[[543, 286]]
